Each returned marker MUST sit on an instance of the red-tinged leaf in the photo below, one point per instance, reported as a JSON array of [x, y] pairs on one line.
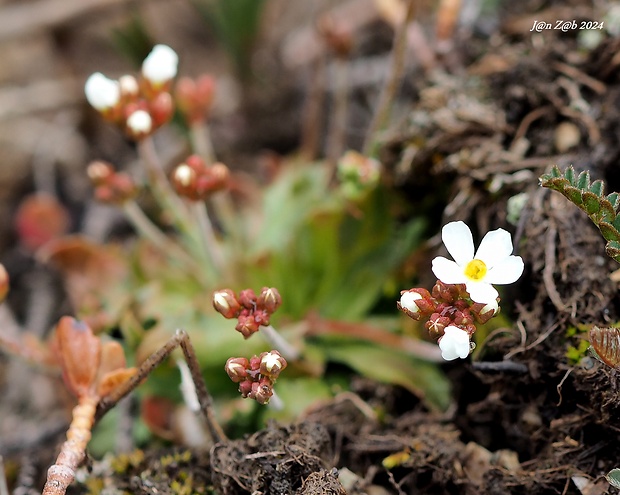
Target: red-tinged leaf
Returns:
[[80, 354], [113, 379]]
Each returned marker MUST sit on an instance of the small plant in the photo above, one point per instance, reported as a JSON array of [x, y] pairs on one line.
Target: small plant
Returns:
[[464, 294]]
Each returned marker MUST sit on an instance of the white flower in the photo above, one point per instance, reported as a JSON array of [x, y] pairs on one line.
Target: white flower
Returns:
[[492, 263], [160, 65], [272, 362], [408, 299], [454, 343], [140, 122], [102, 93]]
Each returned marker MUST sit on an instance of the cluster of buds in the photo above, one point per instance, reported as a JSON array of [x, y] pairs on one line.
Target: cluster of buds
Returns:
[[195, 97], [448, 310], [358, 174], [257, 375], [195, 180], [139, 105], [111, 187], [251, 311]]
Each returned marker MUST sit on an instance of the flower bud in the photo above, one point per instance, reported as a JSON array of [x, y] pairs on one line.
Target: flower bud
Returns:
[[139, 124], [226, 303], [448, 293], [4, 282], [454, 343], [236, 368], [161, 109], [436, 325], [245, 387], [261, 317], [195, 97], [271, 364], [247, 298], [263, 390], [160, 66], [102, 93], [246, 325], [269, 299], [117, 189], [99, 172], [184, 180], [129, 87], [213, 179]]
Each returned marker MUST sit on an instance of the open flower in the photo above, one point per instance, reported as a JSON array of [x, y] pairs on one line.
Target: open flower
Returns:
[[160, 66], [454, 343], [102, 93], [492, 263]]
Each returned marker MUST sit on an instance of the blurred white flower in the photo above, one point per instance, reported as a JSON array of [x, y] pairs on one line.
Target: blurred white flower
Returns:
[[160, 66], [102, 93], [454, 343], [140, 122], [492, 263]]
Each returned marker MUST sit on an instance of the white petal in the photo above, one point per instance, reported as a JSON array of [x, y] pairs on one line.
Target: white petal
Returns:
[[102, 93], [454, 343], [495, 247], [481, 292], [448, 271], [140, 122], [161, 64], [408, 299], [459, 242], [505, 272]]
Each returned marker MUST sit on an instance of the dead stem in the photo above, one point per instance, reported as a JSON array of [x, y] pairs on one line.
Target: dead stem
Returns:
[[388, 92], [313, 110], [180, 338], [72, 452], [4, 489]]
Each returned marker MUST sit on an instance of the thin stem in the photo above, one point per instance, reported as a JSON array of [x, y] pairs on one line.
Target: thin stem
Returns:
[[201, 141], [180, 338], [388, 92], [279, 343], [313, 110], [4, 489], [338, 128], [207, 235], [161, 241]]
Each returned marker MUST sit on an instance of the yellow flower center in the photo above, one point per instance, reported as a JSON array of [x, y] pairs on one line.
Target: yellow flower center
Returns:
[[475, 270]]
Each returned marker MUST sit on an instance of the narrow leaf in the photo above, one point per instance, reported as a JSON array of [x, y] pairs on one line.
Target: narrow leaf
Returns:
[[614, 199], [569, 173]]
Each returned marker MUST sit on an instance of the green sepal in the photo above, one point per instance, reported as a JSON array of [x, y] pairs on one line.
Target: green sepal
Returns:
[[573, 194], [597, 187], [583, 181], [609, 232], [591, 202]]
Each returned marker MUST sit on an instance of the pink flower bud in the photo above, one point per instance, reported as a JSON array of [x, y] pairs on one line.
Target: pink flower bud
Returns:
[[269, 299], [236, 368], [247, 326], [225, 303], [263, 390], [271, 364], [245, 387], [247, 298]]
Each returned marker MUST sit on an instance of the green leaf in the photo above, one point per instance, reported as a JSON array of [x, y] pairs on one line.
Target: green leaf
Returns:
[[573, 194], [608, 212], [569, 174], [597, 187], [555, 172], [610, 233], [614, 199], [423, 379], [583, 181], [591, 202], [613, 477]]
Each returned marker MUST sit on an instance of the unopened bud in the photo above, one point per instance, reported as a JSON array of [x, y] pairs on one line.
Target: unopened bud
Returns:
[[269, 299], [263, 390], [139, 124], [247, 326], [236, 368], [225, 303], [99, 171], [129, 87], [247, 298], [102, 93], [271, 364], [408, 301]]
